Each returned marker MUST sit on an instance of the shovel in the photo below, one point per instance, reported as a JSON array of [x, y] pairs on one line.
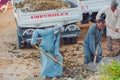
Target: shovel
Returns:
[[92, 65], [96, 52], [66, 68]]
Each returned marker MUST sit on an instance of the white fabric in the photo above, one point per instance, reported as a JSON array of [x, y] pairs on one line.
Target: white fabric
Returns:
[[114, 3], [58, 28], [112, 20]]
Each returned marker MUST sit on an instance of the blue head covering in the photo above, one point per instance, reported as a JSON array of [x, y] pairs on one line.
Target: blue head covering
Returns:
[[58, 28]]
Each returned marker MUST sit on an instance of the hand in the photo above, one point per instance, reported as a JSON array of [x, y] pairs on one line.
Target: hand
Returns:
[[56, 58], [95, 55], [33, 45], [96, 20]]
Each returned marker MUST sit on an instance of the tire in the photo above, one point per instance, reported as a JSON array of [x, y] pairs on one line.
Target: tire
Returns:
[[71, 29], [66, 41], [27, 45], [73, 40]]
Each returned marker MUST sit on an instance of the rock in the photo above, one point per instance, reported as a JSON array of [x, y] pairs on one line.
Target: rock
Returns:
[[91, 67], [105, 60], [118, 58], [95, 77]]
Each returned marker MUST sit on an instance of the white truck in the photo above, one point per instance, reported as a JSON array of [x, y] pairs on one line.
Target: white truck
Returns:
[[66, 16], [83, 11], [90, 8]]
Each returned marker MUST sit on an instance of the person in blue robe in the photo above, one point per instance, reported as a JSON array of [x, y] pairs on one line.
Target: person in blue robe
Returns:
[[50, 43], [92, 40]]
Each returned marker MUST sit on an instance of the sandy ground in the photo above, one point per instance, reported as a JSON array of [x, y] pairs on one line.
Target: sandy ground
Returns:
[[18, 64], [13, 62]]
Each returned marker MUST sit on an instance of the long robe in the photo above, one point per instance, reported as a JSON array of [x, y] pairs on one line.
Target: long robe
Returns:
[[50, 44], [91, 41], [112, 19]]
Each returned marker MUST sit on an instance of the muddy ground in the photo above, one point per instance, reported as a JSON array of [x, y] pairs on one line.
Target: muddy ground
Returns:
[[18, 64]]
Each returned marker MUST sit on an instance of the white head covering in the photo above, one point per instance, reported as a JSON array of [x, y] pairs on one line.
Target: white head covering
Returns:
[[58, 28], [114, 3]]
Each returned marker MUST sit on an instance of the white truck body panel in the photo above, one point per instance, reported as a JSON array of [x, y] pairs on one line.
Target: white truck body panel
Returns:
[[49, 17], [94, 5], [61, 16], [26, 20]]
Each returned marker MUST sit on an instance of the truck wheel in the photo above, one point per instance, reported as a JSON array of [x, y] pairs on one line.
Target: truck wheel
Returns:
[[72, 27], [73, 40], [73, 31], [28, 33], [27, 45], [66, 41], [69, 40]]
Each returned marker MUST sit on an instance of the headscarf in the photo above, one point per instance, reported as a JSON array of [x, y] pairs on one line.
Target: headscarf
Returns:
[[114, 3], [58, 28]]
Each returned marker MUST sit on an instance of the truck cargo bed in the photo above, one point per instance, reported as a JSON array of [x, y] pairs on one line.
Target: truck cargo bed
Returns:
[[48, 17]]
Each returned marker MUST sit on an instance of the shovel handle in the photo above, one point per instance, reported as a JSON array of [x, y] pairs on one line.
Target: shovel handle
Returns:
[[49, 56], [95, 55], [53, 58]]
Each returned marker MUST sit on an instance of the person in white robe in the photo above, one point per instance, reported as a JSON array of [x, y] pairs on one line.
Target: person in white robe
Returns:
[[112, 22]]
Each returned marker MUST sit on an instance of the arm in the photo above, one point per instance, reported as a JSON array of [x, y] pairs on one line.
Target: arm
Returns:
[[100, 13], [34, 38], [118, 20], [91, 41], [57, 45], [39, 32]]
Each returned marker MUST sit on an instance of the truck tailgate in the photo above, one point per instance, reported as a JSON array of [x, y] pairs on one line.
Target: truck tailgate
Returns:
[[49, 17]]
